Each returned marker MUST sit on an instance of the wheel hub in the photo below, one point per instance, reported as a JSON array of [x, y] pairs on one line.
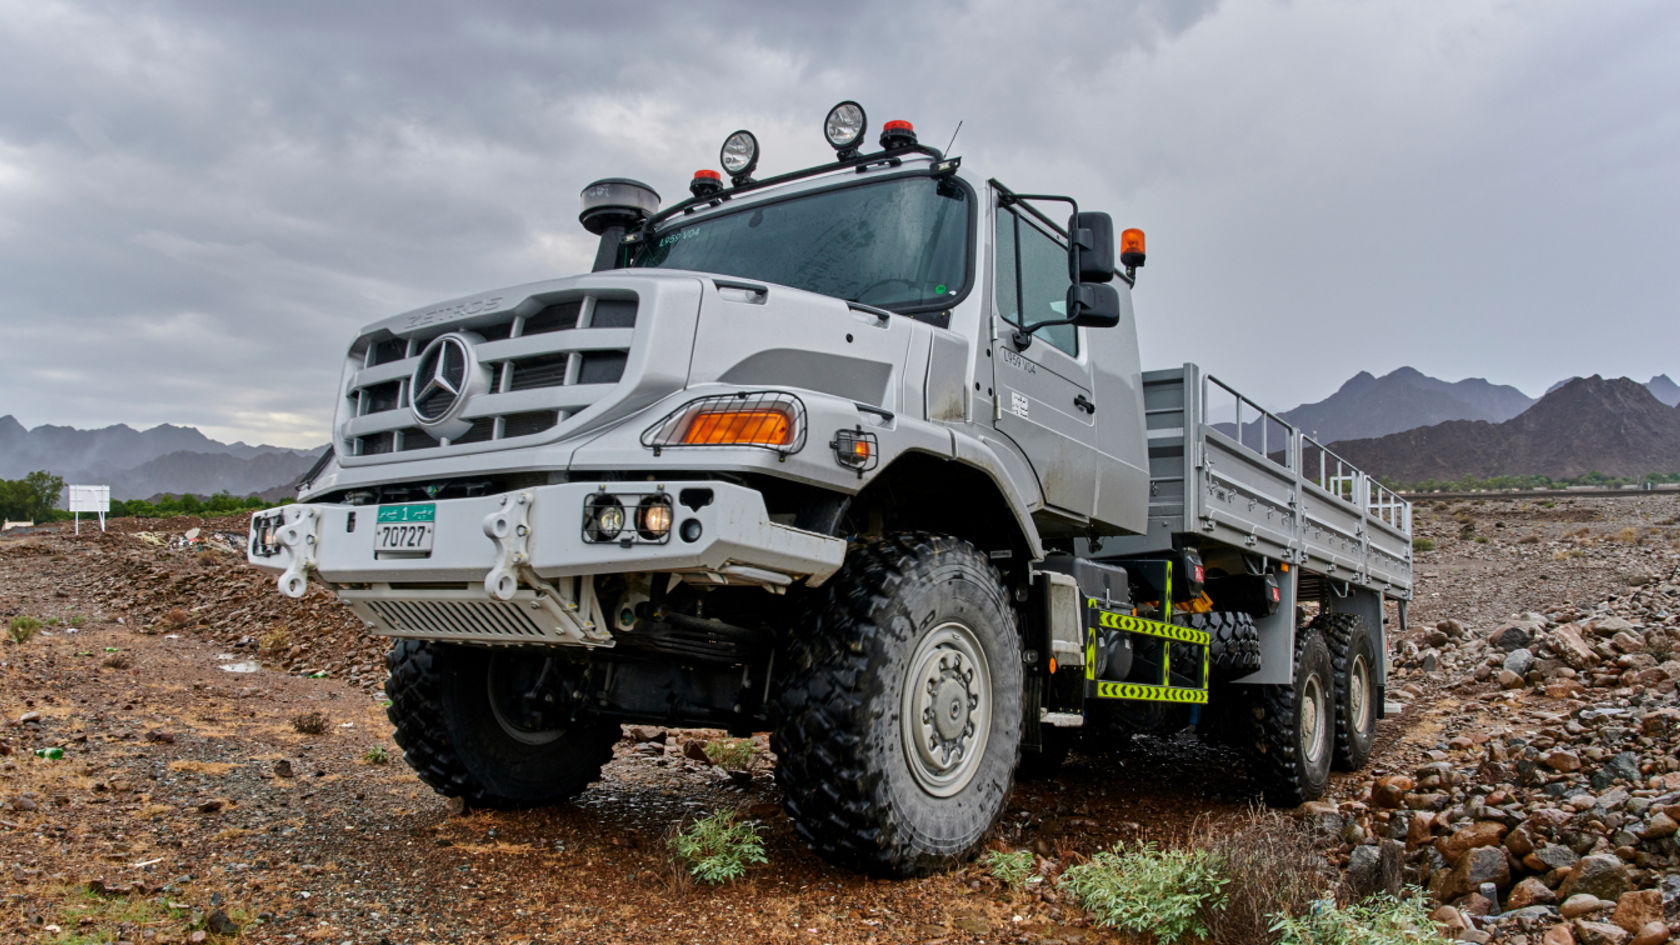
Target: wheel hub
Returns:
[[946, 712], [1358, 690], [1313, 717], [522, 693]]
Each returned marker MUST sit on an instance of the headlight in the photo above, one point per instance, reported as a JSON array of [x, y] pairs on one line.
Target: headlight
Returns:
[[767, 419], [603, 518], [653, 517]]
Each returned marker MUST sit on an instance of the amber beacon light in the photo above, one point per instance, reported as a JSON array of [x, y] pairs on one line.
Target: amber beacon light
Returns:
[[1131, 251]]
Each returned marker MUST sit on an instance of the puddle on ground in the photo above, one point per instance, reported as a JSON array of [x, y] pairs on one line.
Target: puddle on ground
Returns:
[[242, 666]]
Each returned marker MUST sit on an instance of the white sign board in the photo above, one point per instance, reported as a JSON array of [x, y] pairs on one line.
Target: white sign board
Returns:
[[90, 498], [95, 499]]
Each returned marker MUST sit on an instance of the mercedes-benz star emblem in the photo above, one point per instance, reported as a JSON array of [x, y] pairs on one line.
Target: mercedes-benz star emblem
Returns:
[[441, 377]]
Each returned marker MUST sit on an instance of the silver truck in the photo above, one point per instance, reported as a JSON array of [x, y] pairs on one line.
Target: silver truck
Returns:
[[861, 455]]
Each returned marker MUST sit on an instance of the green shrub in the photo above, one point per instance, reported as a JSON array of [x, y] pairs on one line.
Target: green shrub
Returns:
[[1422, 544], [1379, 920], [1168, 894], [733, 754], [22, 628], [718, 848], [377, 755], [1010, 868], [1481, 539]]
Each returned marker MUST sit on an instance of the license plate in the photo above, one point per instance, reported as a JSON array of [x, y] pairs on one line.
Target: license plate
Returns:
[[405, 528]]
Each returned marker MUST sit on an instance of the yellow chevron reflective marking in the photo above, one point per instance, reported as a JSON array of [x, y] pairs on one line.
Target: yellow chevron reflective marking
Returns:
[[1154, 628], [1139, 691]]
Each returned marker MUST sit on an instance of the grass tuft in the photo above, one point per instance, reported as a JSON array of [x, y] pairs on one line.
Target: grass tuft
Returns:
[[376, 755], [310, 723], [732, 754], [1011, 867], [1379, 920], [22, 628], [1422, 544], [1169, 894], [718, 848]]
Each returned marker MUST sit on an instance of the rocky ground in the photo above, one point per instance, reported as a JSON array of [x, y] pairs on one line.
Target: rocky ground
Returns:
[[1531, 783]]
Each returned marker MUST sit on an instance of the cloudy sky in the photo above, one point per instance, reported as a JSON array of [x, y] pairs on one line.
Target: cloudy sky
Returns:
[[201, 202]]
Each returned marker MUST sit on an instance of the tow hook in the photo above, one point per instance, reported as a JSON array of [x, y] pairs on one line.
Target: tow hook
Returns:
[[298, 537], [510, 528]]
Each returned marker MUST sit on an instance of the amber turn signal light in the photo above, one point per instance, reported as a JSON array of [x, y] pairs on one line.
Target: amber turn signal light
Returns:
[[759, 427]]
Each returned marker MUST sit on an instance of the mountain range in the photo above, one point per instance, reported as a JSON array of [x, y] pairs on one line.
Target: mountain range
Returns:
[[139, 464], [1368, 406], [1618, 427]]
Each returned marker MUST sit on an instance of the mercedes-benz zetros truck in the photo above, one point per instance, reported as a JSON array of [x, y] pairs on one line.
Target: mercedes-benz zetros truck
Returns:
[[859, 454]]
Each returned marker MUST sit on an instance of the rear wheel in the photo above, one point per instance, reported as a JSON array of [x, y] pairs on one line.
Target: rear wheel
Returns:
[[897, 715], [1354, 658], [492, 726], [1292, 740]]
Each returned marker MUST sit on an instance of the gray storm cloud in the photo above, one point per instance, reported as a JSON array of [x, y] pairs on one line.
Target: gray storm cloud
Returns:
[[201, 202]]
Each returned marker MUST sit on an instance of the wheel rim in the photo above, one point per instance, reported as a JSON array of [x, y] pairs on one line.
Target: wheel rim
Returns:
[[946, 712], [1359, 691], [1313, 719], [505, 680]]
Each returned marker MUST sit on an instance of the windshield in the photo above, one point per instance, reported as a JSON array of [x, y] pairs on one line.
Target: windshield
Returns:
[[900, 244]]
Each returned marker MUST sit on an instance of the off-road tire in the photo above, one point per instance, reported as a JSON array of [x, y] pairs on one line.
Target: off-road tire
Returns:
[[853, 785], [1235, 649], [1278, 758], [1355, 661], [450, 735]]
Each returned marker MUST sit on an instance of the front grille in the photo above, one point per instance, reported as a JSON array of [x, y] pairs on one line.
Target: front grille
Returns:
[[546, 360], [458, 619]]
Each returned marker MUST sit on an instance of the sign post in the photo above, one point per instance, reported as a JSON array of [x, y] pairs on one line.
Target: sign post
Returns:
[[89, 499]]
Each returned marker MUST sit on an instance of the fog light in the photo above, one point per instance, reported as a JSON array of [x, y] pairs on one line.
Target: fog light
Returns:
[[653, 517], [603, 518]]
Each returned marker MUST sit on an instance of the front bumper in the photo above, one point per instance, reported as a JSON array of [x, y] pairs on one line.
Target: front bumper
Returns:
[[520, 546]]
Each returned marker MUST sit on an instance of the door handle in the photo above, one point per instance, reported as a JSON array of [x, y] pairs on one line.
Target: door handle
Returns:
[[1084, 403]]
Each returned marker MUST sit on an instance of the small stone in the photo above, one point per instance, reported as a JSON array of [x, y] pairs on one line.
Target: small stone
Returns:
[[1559, 934], [1602, 875], [1482, 833], [1519, 661], [210, 806], [1510, 638], [1653, 933], [219, 923], [1581, 904], [1599, 933], [1391, 791], [1637, 909], [1658, 826], [1509, 680], [282, 768], [1530, 892], [1560, 760], [1449, 919]]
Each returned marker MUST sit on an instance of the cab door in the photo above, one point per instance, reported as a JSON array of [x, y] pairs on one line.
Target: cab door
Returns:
[[1043, 390]]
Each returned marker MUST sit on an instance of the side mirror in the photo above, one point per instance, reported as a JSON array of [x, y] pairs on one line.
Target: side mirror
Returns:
[[1090, 247], [1093, 306]]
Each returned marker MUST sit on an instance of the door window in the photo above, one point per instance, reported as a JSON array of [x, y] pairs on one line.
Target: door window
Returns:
[[1032, 279]]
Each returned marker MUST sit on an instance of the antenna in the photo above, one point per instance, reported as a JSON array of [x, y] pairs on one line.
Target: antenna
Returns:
[[954, 136]]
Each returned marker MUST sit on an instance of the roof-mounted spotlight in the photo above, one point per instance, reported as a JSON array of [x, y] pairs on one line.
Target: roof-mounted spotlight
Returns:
[[739, 156], [844, 128], [897, 134], [705, 183]]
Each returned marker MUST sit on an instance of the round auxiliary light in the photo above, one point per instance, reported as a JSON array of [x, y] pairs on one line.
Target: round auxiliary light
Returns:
[[897, 134], [845, 125], [706, 182], [604, 518], [739, 154], [653, 517]]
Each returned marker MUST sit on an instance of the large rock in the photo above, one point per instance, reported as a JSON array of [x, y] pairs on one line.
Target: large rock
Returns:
[[1603, 875], [1482, 833], [1481, 865], [1373, 869], [1599, 933], [1572, 649], [1530, 892], [1520, 661]]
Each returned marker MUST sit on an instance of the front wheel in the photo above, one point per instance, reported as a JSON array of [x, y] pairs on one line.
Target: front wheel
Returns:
[[491, 726], [896, 720]]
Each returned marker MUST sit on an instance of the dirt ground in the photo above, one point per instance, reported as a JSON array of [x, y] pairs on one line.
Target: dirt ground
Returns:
[[187, 806]]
